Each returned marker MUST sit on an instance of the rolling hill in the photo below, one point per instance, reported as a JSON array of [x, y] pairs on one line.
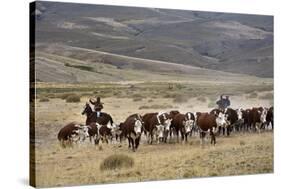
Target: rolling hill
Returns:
[[119, 43]]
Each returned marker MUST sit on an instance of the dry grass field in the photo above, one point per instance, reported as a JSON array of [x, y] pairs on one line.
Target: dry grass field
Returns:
[[248, 153], [235, 155]]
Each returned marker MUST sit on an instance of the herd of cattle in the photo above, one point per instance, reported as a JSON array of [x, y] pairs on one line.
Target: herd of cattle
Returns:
[[162, 126]]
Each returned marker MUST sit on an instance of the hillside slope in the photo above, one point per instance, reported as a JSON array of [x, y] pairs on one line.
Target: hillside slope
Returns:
[[218, 41]]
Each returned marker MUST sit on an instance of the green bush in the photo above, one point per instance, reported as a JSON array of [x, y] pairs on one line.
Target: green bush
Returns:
[[73, 98], [117, 161], [211, 104]]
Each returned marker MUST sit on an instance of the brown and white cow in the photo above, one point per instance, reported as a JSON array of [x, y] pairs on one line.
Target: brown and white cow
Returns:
[[172, 113], [208, 124], [72, 132], [257, 118], [132, 129], [191, 118], [246, 120], [232, 119], [120, 129], [183, 124], [155, 124], [222, 113], [269, 117]]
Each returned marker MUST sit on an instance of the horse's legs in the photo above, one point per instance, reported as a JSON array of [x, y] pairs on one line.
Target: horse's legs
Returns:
[[133, 144], [129, 141]]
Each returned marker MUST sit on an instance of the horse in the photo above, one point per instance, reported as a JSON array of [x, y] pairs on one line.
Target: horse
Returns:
[[103, 119]]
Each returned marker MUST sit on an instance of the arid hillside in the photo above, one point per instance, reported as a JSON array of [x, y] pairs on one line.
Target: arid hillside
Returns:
[[235, 43]]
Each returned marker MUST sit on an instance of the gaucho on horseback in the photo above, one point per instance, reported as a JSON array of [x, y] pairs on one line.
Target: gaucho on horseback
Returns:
[[96, 116], [98, 105]]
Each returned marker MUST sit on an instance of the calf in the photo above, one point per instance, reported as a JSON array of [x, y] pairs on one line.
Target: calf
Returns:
[[72, 132]]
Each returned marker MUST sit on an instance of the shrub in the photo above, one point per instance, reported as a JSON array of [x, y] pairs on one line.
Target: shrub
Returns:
[[179, 86], [50, 95], [87, 94], [143, 107], [73, 98], [266, 96], [156, 106], [211, 104], [150, 100], [137, 95], [180, 99], [168, 95], [65, 95], [201, 99], [242, 142], [252, 95], [81, 67], [117, 161], [44, 99], [137, 99]]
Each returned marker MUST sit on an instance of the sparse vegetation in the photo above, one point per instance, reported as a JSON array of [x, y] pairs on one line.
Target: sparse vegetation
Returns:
[[180, 99], [252, 95], [231, 156], [117, 161], [147, 164], [145, 90], [65, 95], [242, 142], [137, 99], [168, 95], [156, 106], [81, 67], [201, 99], [266, 96], [87, 94], [150, 100], [73, 98], [44, 99], [137, 95], [211, 104]]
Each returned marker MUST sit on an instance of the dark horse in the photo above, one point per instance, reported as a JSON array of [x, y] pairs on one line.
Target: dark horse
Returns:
[[103, 119]]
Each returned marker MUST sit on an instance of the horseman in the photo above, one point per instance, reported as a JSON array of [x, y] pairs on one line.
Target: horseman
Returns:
[[98, 105], [223, 102]]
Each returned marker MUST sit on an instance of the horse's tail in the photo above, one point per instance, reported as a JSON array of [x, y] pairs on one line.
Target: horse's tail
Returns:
[[109, 116], [110, 119]]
